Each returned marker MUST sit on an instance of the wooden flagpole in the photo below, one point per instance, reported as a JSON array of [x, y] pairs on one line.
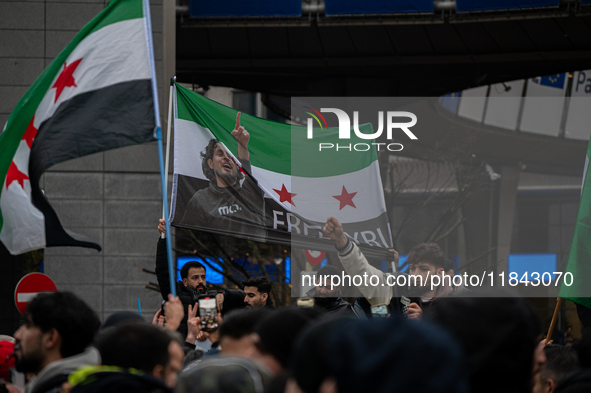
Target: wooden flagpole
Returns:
[[553, 323]]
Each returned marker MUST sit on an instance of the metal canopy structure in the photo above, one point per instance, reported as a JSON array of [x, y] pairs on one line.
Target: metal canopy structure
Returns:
[[382, 55], [478, 142]]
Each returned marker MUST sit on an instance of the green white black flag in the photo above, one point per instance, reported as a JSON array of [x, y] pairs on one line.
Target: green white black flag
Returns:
[[579, 256], [96, 95], [289, 188]]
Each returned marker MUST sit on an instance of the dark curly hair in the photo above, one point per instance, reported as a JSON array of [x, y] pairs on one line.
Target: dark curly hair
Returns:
[[427, 252], [263, 285], [207, 155], [74, 320], [188, 266]]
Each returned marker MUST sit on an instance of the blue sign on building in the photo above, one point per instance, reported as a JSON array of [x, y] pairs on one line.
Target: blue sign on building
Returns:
[[488, 5], [544, 265], [244, 8], [352, 7]]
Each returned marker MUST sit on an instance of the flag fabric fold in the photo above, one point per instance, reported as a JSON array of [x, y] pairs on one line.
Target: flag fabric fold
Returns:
[[96, 95], [288, 188], [579, 257]]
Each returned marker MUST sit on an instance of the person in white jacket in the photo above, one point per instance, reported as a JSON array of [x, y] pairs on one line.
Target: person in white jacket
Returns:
[[425, 261]]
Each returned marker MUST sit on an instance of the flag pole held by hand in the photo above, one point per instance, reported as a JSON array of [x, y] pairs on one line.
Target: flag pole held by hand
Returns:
[[158, 135]]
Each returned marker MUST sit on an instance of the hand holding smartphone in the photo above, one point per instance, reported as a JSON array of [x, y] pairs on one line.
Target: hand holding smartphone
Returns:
[[208, 313]]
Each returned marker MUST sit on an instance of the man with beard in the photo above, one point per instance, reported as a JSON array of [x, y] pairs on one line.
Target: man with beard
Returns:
[[256, 293], [327, 298], [425, 260], [55, 340], [190, 289], [227, 205]]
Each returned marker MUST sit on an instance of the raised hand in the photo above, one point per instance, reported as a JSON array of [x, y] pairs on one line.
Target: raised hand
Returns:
[[396, 256], [414, 312], [219, 300], [202, 336], [173, 309], [334, 230], [158, 318], [193, 324], [242, 137]]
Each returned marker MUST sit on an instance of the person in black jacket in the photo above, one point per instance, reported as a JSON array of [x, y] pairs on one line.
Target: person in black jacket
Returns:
[[144, 347], [192, 286], [55, 339], [136, 357], [326, 297]]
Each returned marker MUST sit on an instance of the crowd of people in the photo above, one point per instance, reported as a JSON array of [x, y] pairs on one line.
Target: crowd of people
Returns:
[[441, 339]]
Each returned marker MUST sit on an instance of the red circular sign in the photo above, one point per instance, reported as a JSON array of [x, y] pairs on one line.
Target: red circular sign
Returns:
[[315, 257], [29, 286]]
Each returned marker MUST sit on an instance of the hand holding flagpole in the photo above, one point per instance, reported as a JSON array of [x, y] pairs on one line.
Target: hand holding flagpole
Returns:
[[158, 136]]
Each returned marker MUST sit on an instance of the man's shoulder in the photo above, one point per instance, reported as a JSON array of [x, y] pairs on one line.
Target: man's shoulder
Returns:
[[52, 384], [185, 294], [55, 374], [234, 292], [342, 306], [460, 291], [269, 306], [217, 373], [194, 209], [115, 380], [202, 194]]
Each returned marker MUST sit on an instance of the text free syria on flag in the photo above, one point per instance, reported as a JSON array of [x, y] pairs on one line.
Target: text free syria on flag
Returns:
[[96, 95], [301, 186]]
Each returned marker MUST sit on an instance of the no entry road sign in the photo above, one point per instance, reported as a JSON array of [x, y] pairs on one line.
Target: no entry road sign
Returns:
[[29, 286]]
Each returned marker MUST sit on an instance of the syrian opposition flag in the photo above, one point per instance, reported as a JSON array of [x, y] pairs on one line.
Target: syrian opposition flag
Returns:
[[578, 267], [96, 95], [288, 189]]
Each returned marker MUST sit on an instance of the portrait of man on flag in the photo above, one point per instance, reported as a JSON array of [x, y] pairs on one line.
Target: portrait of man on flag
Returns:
[[232, 201]]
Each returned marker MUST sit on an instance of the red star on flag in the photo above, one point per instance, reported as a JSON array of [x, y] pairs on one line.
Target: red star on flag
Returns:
[[285, 195], [30, 133], [345, 198], [65, 79], [15, 175]]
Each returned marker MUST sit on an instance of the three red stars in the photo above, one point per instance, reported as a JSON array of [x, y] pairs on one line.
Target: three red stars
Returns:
[[65, 79], [345, 199], [285, 195]]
